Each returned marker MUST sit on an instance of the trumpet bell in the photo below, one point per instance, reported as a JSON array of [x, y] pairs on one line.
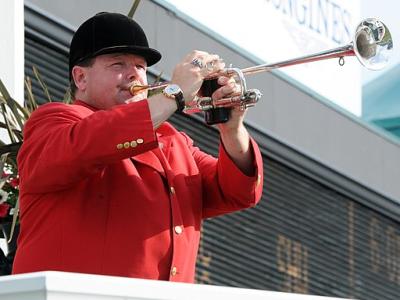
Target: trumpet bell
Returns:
[[373, 44]]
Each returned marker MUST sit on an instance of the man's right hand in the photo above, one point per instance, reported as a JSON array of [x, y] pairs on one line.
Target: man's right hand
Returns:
[[191, 71]]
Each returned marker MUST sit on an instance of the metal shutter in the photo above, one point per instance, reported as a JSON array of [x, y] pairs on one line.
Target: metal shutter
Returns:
[[303, 237], [46, 47], [52, 67]]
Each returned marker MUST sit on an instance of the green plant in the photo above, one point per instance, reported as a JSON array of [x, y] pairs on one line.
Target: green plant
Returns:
[[13, 117], [12, 120]]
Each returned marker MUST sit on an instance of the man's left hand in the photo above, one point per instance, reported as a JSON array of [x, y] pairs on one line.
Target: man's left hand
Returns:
[[233, 133]]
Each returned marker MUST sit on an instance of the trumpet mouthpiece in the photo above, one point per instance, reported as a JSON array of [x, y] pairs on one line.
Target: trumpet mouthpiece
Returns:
[[135, 89]]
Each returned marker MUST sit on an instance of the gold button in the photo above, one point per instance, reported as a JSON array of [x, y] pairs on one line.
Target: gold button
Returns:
[[258, 180], [133, 144], [139, 141], [120, 146], [172, 190], [174, 271], [178, 229], [127, 145]]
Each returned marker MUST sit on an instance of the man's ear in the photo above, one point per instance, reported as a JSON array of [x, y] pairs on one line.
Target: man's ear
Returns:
[[79, 77]]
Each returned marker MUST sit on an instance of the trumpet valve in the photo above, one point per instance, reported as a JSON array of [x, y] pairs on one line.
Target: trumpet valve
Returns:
[[251, 97]]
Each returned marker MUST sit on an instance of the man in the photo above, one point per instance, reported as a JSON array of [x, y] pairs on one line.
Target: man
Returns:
[[107, 186]]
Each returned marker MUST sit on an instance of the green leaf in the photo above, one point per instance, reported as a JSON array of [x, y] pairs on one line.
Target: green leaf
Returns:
[[67, 96], [132, 11], [10, 148], [11, 104], [7, 123], [14, 221], [158, 78], [32, 105], [41, 82], [25, 113], [17, 133]]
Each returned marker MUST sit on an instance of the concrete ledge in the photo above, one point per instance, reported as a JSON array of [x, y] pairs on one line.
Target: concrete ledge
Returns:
[[60, 285]]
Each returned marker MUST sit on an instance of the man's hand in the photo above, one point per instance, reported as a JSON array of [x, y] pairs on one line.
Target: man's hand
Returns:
[[233, 133], [188, 75], [191, 71]]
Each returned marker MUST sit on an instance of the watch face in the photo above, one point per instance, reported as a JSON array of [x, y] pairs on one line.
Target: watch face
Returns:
[[172, 89]]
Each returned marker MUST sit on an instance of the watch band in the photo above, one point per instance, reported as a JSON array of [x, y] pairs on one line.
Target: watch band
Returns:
[[173, 91], [180, 102]]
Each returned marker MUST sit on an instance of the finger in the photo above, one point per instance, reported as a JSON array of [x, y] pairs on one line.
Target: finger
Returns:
[[230, 88], [195, 60], [213, 63], [237, 110], [210, 68], [201, 56], [223, 80], [204, 63]]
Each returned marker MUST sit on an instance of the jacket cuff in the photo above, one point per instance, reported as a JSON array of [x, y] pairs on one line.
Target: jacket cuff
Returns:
[[241, 185]]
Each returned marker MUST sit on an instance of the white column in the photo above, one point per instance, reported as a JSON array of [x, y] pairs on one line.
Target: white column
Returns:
[[12, 47], [12, 56]]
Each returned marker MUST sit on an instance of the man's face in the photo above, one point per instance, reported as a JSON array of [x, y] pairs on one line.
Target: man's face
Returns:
[[107, 80]]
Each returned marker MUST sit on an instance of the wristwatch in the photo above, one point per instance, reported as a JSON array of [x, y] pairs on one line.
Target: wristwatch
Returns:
[[173, 91]]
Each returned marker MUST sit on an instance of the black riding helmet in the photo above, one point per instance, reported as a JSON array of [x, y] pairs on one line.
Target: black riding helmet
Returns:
[[110, 33]]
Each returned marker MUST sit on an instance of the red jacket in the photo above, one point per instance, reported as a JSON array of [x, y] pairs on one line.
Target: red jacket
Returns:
[[101, 192]]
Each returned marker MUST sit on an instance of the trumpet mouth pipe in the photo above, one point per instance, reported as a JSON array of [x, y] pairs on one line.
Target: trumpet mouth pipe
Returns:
[[137, 88], [339, 52]]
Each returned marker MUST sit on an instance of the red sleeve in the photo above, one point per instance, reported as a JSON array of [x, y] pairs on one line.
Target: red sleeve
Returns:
[[225, 187], [64, 143]]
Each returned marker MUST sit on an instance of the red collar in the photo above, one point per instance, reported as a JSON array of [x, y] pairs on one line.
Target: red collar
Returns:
[[80, 102]]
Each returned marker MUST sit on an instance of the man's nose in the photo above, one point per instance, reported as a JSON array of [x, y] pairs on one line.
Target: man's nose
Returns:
[[133, 73]]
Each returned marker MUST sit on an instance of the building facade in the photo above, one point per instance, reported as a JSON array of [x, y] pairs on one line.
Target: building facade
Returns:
[[329, 220]]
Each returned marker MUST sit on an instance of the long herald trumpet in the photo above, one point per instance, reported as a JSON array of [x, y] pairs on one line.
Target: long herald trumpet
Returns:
[[372, 44]]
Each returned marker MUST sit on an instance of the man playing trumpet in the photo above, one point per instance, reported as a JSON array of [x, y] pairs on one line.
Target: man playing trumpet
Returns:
[[107, 186]]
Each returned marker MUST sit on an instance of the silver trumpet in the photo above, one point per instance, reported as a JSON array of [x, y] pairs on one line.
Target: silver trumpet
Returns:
[[372, 45]]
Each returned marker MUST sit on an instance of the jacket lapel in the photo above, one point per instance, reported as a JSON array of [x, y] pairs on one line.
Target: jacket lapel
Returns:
[[149, 159], [153, 158]]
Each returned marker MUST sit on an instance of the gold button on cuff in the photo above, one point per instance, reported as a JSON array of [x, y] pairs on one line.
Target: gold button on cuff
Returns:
[[120, 146], [174, 271], [139, 141], [172, 190], [258, 180], [178, 229], [133, 144], [127, 145]]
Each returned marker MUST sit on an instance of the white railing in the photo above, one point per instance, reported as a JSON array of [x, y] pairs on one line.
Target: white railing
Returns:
[[65, 286]]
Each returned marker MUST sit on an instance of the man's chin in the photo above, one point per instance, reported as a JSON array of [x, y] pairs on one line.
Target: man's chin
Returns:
[[134, 99]]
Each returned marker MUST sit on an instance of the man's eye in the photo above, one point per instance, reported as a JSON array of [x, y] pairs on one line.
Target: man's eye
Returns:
[[141, 67], [119, 63]]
